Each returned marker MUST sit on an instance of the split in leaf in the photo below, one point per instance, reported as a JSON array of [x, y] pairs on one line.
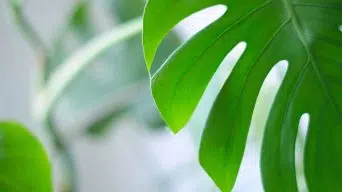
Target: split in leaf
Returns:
[[306, 34]]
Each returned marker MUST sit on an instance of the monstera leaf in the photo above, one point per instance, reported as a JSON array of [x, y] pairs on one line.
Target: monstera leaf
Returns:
[[303, 32], [24, 165]]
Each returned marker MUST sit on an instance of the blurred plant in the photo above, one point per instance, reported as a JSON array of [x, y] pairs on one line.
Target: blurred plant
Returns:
[[96, 84], [22, 161]]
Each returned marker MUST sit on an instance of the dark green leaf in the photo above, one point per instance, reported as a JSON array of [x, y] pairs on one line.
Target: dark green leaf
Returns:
[[303, 32], [24, 165]]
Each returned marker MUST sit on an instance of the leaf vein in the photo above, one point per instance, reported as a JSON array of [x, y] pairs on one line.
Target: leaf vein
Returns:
[[239, 21], [267, 44], [318, 5], [296, 24]]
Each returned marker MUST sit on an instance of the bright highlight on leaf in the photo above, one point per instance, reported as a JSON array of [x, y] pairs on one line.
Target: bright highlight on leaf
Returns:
[[24, 165], [300, 31]]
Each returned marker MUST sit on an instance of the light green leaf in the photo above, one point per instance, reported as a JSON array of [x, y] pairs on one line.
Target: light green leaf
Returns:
[[24, 165], [306, 34]]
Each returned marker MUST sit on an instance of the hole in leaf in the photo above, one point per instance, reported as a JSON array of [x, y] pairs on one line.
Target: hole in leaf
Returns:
[[250, 170], [229, 62], [340, 28], [300, 145], [199, 20], [214, 86], [185, 30], [197, 121], [266, 97]]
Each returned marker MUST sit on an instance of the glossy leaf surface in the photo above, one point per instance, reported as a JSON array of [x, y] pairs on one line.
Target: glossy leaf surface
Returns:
[[306, 34], [24, 165]]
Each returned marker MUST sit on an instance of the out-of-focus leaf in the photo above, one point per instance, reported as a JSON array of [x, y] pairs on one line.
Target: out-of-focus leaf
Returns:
[[112, 109], [104, 123], [112, 70], [76, 32], [24, 165], [146, 112], [80, 20], [73, 66], [125, 10], [16, 3], [28, 31], [117, 68]]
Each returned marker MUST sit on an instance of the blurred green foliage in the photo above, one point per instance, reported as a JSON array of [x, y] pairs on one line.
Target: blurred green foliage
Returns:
[[22, 161], [111, 86], [119, 67]]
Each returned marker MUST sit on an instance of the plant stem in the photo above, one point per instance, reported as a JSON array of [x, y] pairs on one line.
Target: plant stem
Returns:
[[30, 34], [70, 183], [72, 66], [63, 76]]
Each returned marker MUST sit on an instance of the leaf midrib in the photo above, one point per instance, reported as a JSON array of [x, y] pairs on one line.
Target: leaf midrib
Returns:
[[290, 7]]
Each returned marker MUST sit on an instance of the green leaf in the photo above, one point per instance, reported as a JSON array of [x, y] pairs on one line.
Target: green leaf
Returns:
[[306, 34], [24, 165], [80, 18]]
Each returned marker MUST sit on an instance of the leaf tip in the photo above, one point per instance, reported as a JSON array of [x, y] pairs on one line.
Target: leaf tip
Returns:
[[175, 130], [148, 64], [214, 170], [148, 57]]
